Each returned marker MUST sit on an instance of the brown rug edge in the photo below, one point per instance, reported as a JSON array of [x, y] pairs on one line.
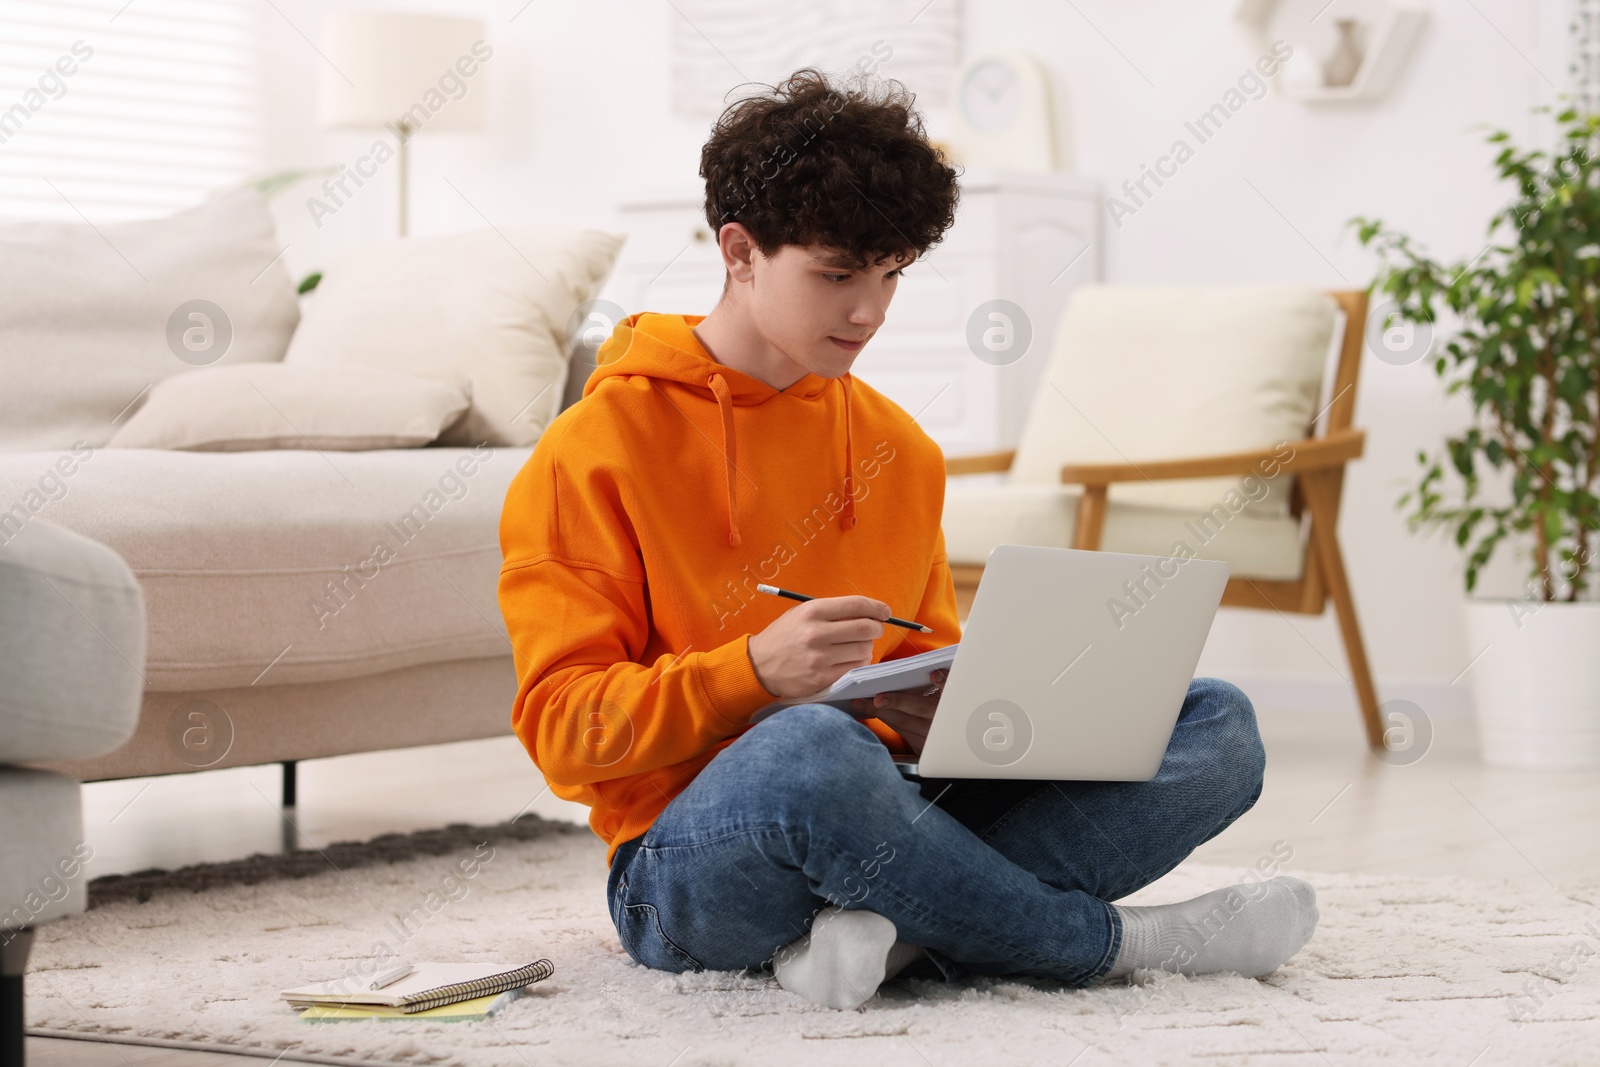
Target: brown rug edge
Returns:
[[141, 886]]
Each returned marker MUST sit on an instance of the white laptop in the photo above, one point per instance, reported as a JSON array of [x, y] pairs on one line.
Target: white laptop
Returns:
[[1072, 666]]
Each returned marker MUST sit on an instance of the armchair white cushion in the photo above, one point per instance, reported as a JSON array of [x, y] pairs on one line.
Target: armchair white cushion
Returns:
[[1169, 372], [1156, 373], [978, 516]]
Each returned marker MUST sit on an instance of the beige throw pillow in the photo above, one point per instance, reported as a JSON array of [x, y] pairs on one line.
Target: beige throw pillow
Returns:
[[253, 406], [490, 306], [90, 316]]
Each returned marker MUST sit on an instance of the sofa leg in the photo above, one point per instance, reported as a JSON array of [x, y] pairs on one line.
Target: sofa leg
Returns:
[[288, 783], [13, 959]]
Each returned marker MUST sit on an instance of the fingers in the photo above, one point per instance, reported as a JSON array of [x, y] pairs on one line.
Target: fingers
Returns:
[[849, 619], [847, 655], [935, 685], [914, 728], [845, 632], [910, 717], [923, 701], [909, 704], [914, 704], [851, 607]]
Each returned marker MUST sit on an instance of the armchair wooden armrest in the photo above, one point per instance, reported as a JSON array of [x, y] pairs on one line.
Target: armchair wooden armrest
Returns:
[[981, 463], [1313, 453]]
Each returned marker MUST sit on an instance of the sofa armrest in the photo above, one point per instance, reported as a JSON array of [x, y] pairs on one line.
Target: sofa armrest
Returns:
[[72, 645]]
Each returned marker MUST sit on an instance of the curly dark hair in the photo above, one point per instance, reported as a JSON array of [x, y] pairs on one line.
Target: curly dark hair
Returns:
[[849, 169]]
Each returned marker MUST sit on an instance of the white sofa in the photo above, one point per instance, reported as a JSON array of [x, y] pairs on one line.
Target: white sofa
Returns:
[[72, 639], [277, 631], [234, 549]]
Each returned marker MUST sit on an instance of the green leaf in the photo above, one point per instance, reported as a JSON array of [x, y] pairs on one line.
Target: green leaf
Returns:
[[271, 184]]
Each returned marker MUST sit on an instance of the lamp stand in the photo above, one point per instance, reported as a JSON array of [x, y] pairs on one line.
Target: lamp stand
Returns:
[[405, 170]]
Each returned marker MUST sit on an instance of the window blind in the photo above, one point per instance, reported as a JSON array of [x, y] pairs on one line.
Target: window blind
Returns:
[[111, 109]]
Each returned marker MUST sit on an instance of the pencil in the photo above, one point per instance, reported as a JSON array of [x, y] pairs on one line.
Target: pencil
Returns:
[[775, 591]]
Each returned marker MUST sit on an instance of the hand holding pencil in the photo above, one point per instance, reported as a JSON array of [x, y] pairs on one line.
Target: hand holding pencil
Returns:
[[808, 648], [775, 591]]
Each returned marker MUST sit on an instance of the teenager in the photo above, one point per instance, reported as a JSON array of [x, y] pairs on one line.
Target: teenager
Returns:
[[710, 453]]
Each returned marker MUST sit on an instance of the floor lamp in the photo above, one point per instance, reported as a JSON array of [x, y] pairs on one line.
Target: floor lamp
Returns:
[[402, 72]]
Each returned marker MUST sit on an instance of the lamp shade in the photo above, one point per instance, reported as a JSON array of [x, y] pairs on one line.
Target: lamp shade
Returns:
[[390, 66]]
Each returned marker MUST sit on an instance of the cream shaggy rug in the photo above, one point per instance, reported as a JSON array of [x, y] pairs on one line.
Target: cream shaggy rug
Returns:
[[1402, 970]]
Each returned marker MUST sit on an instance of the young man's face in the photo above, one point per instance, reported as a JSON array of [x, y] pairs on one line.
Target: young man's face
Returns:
[[815, 306]]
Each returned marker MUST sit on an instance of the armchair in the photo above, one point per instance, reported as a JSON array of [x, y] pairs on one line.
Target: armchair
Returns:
[[1185, 385]]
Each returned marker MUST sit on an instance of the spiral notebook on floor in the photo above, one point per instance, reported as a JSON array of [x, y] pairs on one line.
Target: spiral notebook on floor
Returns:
[[430, 986], [461, 1011], [910, 672]]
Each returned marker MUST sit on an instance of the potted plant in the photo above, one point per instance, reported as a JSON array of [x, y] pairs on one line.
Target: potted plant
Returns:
[[1525, 349]]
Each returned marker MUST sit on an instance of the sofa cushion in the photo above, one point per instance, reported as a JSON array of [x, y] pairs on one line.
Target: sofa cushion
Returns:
[[253, 406], [72, 645], [91, 316], [1169, 372], [248, 725], [490, 306], [977, 517], [270, 568]]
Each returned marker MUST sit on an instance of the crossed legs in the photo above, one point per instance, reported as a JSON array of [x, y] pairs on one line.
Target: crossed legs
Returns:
[[806, 810]]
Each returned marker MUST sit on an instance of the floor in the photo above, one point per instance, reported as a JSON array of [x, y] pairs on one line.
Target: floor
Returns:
[[1326, 799]]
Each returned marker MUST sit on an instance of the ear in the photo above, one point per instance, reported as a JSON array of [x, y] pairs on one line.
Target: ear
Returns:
[[738, 251]]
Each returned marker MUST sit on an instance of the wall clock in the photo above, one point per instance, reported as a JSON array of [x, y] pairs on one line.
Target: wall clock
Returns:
[[1001, 113]]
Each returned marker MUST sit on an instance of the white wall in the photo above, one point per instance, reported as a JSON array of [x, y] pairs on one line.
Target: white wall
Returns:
[[580, 119]]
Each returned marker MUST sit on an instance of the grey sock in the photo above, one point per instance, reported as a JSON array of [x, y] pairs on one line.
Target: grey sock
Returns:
[[844, 958], [1251, 929]]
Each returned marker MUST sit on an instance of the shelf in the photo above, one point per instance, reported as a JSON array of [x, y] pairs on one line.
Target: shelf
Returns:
[[1392, 37]]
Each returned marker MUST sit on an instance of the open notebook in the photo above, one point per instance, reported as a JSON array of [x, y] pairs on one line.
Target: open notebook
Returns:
[[431, 985], [911, 672]]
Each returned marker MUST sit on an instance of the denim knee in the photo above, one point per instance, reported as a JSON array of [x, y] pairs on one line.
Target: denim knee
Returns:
[[1233, 739], [810, 725], [845, 760]]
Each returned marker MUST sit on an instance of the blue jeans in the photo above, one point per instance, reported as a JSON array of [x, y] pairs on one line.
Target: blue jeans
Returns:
[[992, 877]]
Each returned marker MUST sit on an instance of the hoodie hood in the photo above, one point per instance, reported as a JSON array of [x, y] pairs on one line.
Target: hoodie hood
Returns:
[[664, 348]]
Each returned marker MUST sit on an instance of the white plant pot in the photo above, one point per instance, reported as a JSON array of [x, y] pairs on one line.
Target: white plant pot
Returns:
[[1536, 687]]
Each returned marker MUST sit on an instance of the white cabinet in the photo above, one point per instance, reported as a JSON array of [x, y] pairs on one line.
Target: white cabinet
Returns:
[[1025, 238]]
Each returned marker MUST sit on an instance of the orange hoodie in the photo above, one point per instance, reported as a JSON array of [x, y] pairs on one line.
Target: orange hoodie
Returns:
[[635, 534]]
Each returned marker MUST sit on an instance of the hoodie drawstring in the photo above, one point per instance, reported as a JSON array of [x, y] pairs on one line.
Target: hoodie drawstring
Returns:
[[730, 452], [848, 519]]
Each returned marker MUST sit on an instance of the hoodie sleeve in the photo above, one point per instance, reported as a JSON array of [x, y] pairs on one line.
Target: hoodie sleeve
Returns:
[[572, 591]]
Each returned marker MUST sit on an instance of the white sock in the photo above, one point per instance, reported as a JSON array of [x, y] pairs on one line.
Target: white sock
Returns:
[[844, 958], [1251, 929]]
